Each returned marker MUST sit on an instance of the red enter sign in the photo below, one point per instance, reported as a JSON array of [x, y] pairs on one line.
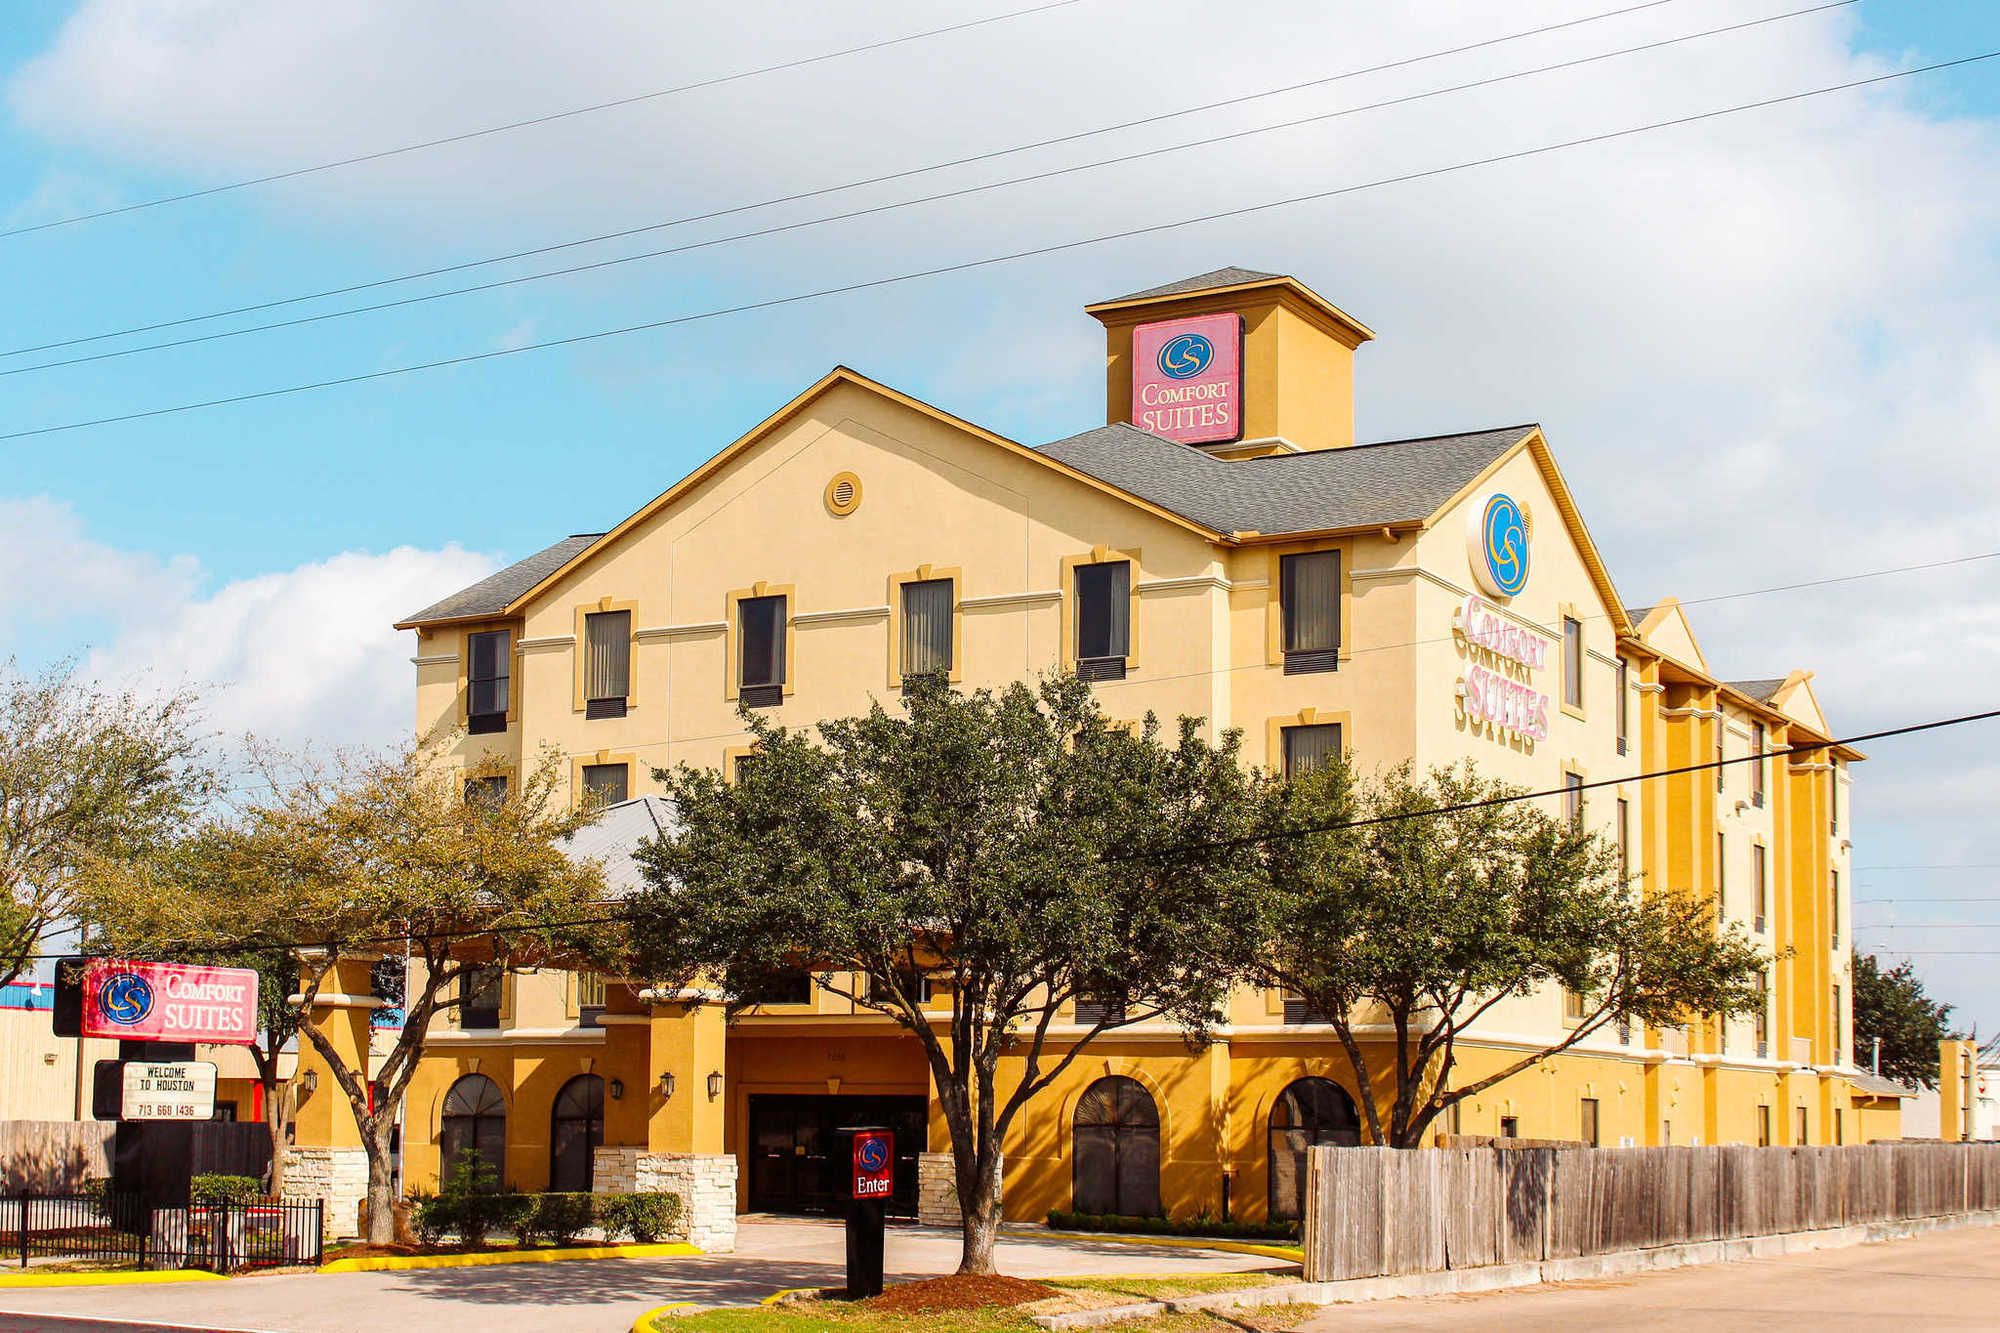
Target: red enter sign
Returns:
[[874, 1164]]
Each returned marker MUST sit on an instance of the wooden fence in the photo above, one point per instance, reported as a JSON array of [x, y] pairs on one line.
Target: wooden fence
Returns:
[[57, 1156], [1373, 1212]]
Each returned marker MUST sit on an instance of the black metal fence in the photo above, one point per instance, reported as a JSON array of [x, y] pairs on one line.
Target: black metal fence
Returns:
[[121, 1230]]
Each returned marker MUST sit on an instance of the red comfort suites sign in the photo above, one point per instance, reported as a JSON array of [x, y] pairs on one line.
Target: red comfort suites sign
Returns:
[[169, 1002], [874, 1164], [1187, 378]]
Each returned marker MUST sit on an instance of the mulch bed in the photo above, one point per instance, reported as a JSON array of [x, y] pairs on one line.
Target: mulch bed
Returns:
[[958, 1292]]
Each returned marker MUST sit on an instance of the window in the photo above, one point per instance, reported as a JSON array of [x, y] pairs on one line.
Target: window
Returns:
[[474, 1121], [487, 671], [1309, 1113], [607, 663], [1763, 1127], [782, 988], [1103, 619], [1834, 1025], [743, 765], [916, 985], [1094, 1009], [479, 998], [1510, 1127], [1833, 798], [386, 981], [1721, 771], [1116, 1141], [1804, 1138], [1760, 1023], [1667, 1133], [1839, 1126], [1572, 1005], [1573, 797], [487, 791], [1623, 708], [1757, 764], [1306, 748], [1298, 1009], [1624, 836], [760, 651], [1834, 915], [926, 645], [1587, 1121], [1309, 595], [1572, 662], [589, 999], [1757, 888], [1721, 878], [605, 784], [576, 1127]]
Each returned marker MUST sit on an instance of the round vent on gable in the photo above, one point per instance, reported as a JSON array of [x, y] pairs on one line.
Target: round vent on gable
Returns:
[[843, 493]]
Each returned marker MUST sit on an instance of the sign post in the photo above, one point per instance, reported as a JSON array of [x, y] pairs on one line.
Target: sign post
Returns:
[[872, 1156]]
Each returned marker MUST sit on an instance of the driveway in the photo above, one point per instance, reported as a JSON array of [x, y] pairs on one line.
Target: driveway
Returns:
[[1946, 1281], [584, 1297]]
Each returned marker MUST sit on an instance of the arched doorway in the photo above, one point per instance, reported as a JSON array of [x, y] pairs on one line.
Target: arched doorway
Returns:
[[1311, 1112], [576, 1127], [1116, 1143], [474, 1120]]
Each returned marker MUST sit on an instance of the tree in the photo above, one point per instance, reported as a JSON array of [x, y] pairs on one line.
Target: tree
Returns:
[[85, 773], [380, 855], [1431, 900], [1892, 1006], [1013, 849]]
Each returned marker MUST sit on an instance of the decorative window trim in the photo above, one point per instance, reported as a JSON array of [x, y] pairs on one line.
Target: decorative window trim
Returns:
[[1098, 555], [732, 632], [924, 574], [1274, 732], [730, 755], [1274, 611], [464, 661], [1571, 768], [579, 762], [582, 641]]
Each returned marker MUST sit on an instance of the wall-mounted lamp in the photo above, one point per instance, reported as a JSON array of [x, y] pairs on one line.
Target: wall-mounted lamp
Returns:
[[714, 1084], [309, 1082], [667, 1085], [616, 1087]]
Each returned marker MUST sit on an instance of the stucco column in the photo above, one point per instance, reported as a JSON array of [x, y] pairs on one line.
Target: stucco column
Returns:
[[326, 1160], [677, 1147]]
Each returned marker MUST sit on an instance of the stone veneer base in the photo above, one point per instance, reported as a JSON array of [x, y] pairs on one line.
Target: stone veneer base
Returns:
[[706, 1183], [937, 1190], [338, 1177]]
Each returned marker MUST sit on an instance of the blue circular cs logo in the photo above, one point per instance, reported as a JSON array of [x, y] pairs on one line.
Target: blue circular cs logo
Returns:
[[125, 998], [874, 1154], [1185, 357], [1503, 540]]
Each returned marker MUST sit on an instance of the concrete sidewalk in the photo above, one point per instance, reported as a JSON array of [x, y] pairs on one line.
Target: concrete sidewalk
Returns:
[[598, 1296]]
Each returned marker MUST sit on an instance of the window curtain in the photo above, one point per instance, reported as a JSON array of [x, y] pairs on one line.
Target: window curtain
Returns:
[[1311, 593], [926, 627], [1306, 748], [761, 630], [604, 784], [608, 654], [1104, 609]]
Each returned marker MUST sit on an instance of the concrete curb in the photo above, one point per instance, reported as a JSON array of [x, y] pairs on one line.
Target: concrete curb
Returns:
[[1463, 1281], [397, 1262], [649, 1322], [1291, 1253], [110, 1279]]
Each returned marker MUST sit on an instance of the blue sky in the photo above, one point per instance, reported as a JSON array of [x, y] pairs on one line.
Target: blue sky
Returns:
[[1786, 313]]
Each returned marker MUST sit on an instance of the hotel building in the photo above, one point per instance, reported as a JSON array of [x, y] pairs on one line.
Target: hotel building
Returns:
[[1221, 546]]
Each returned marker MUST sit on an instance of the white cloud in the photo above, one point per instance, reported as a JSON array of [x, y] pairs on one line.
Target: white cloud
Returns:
[[303, 656]]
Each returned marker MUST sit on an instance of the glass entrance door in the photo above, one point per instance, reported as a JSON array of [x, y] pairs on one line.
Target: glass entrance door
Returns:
[[794, 1151]]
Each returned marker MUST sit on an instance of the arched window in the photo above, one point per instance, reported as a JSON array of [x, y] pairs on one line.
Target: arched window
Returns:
[[1310, 1112], [576, 1127], [1117, 1148], [474, 1120]]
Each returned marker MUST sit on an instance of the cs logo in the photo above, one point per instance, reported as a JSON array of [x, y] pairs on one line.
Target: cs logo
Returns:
[[1497, 542], [1185, 357], [874, 1154], [125, 998]]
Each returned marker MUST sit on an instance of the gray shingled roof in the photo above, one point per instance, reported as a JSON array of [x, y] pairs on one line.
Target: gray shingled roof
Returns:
[[491, 595], [615, 834], [1397, 481], [1222, 277], [1760, 690]]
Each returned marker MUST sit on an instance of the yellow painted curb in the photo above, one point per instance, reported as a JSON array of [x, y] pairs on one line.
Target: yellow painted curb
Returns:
[[649, 1321], [1290, 1252], [397, 1262], [108, 1279]]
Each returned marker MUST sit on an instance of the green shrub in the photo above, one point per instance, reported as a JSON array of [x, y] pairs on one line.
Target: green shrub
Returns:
[[645, 1217], [1167, 1226], [432, 1217], [561, 1216], [519, 1213], [224, 1189]]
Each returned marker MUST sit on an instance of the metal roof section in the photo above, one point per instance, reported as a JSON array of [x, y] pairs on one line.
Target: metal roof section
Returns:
[[615, 835]]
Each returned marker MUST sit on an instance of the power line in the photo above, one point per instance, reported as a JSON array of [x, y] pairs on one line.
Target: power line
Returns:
[[1963, 865], [537, 120], [989, 261], [1487, 803], [876, 209], [885, 178]]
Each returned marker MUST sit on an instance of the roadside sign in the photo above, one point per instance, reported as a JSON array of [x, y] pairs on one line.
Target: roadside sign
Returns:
[[874, 1164], [183, 1090], [135, 1001]]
